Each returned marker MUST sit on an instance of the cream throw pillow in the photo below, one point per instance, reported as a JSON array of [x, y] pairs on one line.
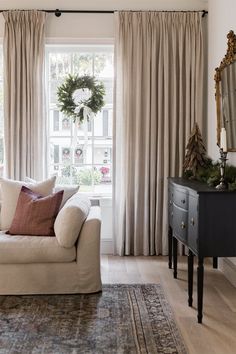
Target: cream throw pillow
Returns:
[[70, 219], [10, 194], [69, 191]]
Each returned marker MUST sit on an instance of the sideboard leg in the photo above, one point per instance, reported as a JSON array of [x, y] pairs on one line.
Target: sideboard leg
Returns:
[[200, 276], [215, 262], [190, 277], [170, 235], [175, 247]]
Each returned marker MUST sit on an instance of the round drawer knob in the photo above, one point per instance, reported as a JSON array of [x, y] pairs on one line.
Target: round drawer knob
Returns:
[[183, 201], [192, 222], [183, 225]]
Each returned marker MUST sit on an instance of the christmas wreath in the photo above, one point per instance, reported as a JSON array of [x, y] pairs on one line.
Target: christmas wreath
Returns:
[[80, 96]]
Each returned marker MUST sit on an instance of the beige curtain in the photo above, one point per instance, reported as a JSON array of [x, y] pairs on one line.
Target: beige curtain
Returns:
[[158, 97], [23, 93]]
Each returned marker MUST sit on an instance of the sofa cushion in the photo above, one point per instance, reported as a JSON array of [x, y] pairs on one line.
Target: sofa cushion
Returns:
[[35, 215], [69, 191], [70, 219], [31, 249], [10, 192]]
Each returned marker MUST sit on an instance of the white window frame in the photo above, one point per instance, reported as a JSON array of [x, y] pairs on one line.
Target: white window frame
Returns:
[[72, 43]]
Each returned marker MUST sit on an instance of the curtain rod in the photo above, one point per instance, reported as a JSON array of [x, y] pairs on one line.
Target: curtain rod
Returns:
[[58, 12]]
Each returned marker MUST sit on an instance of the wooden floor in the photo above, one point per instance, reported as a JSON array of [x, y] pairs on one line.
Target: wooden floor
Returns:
[[217, 334]]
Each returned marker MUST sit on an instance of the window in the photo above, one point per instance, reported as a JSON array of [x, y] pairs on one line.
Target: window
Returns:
[[80, 154]]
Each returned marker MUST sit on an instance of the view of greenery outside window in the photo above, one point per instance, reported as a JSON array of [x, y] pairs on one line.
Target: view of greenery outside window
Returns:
[[87, 159], [1, 112]]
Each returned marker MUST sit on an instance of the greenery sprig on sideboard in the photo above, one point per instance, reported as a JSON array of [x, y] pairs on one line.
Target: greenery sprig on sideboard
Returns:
[[210, 174]]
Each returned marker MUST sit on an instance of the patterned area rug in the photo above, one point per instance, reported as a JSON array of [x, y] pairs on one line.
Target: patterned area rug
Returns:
[[123, 319]]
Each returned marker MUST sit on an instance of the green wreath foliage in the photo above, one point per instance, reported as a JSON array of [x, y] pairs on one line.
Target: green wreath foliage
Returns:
[[210, 174], [75, 82]]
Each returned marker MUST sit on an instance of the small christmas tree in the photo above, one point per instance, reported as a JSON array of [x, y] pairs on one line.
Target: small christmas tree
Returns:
[[196, 152]]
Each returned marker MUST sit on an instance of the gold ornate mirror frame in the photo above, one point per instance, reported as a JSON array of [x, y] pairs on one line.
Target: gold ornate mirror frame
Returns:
[[229, 58]]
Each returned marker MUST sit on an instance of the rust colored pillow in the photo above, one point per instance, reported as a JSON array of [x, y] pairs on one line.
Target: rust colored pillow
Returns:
[[35, 215]]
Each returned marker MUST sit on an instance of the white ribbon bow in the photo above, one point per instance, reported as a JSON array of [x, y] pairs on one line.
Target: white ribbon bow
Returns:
[[79, 97]]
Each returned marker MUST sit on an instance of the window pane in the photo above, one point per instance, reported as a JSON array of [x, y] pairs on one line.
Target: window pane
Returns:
[[53, 92], [103, 65], [66, 124], [98, 124], [66, 174], [84, 147], [59, 125], [83, 64], [60, 147], [56, 122], [59, 65], [79, 155], [102, 155], [87, 176], [109, 91]]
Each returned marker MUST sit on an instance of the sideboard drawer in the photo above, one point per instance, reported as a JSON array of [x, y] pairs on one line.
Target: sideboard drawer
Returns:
[[180, 223], [180, 198]]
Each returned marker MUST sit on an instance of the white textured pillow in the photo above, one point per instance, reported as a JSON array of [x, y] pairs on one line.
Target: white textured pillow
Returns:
[[30, 180], [68, 192], [10, 194], [70, 219]]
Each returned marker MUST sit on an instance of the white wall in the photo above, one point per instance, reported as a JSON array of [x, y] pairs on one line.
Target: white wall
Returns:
[[105, 4], [221, 19], [92, 25]]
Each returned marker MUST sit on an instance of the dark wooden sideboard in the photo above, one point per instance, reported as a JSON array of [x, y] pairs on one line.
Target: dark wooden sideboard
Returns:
[[204, 220]]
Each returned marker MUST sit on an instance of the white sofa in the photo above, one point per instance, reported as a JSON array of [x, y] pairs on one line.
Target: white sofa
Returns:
[[40, 265]]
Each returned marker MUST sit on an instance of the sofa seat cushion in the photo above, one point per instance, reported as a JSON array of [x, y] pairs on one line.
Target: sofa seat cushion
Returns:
[[31, 249]]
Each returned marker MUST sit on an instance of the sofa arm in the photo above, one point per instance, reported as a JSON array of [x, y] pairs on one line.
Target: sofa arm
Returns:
[[70, 220], [88, 249]]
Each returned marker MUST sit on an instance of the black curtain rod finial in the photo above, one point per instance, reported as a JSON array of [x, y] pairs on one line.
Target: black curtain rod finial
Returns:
[[57, 13]]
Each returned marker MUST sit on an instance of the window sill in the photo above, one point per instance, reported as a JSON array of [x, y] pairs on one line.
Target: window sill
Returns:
[[102, 200], [92, 195]]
